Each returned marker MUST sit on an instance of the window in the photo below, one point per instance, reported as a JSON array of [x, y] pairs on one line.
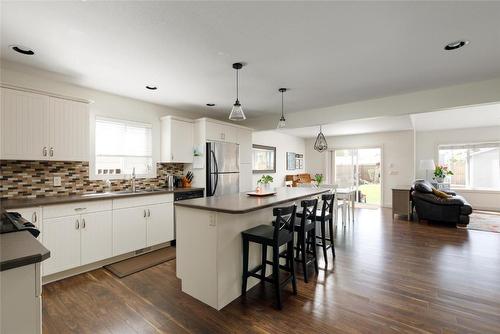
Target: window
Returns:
[[473, 165], [121, 146], [264, 159]]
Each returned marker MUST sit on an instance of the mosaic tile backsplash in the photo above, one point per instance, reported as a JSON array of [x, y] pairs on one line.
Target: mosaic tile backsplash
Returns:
[[28, 179]]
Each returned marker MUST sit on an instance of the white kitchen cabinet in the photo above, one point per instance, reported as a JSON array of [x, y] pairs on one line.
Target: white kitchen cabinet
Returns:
[[221, 132], [40, 127], [176, 140], [160, 223], [24, 125], [246, 183], [245, 141], [62, 238], [129, 229], [33, 215], [96, 236], [68, 130]]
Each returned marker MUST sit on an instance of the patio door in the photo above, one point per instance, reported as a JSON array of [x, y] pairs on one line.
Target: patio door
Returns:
[[359, 168]]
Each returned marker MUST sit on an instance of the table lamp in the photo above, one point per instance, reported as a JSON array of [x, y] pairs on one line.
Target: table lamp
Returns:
[[427, 165]]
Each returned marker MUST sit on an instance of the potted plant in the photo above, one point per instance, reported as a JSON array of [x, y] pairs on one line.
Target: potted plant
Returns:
[[440, 173], [319, 178], [264, 182]]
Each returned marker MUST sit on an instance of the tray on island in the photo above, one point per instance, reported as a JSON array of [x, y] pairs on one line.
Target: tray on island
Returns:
[[261, 193]]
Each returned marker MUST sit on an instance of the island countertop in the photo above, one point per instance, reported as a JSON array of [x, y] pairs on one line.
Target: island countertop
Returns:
[[19, 249], [243, 203]]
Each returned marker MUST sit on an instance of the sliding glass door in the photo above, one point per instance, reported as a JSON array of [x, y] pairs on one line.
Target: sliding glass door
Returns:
[[359, 168]]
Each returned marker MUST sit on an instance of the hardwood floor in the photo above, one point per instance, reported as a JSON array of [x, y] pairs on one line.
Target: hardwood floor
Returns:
[[388, 277]]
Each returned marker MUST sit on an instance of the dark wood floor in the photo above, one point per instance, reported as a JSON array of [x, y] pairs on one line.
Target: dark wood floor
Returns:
[[388, 277]]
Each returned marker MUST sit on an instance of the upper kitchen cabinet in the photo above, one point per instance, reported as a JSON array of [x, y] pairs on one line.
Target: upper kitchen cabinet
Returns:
[[221, 132], [41, 127], [24, 125], [245, 141], [176, 139]]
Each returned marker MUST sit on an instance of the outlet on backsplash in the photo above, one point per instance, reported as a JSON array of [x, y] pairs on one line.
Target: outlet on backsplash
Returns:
[[57, 181]]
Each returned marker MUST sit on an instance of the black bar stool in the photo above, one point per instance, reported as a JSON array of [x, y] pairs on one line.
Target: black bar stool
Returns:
[[306, 231], [325, 215], [282, 233]]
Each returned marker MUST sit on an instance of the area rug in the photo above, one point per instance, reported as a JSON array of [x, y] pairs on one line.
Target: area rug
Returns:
[[484, 221], [141, 262]]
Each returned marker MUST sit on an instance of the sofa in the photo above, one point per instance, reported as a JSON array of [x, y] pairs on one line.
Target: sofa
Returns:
[[429, 206], [300, 178]]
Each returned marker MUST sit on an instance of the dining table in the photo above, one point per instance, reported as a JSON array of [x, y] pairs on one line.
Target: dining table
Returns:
[[348, 194]]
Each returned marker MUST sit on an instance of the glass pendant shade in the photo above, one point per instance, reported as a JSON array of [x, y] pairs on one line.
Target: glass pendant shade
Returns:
[[237, 113], [320, 145], [281, 123]]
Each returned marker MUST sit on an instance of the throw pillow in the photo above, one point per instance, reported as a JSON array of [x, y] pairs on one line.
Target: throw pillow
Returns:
[[440, 193]]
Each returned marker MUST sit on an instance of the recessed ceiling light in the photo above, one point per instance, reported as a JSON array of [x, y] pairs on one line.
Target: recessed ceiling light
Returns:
[[152, 87], [456, 45], [210, 104], [22, 49]]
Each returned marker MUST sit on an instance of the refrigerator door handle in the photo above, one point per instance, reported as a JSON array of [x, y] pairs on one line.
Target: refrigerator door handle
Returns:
[[216, 173]]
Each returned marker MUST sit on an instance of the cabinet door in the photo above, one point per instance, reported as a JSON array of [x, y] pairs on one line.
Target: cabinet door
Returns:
[[96, 236], [215, 131], [62, 238], [246, 175], [181, 134], [129, 230], [230, 133], [68, 130], [23, 118], [245, 141], [33, 215], [160, 224]]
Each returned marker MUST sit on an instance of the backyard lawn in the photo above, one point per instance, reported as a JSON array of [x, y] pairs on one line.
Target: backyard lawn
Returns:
[[372, 192]]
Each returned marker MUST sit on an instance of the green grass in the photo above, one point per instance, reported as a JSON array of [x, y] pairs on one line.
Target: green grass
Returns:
[[372, 192]]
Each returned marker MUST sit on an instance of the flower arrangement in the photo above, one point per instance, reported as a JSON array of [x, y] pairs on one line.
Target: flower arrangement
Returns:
[[440, 172], [265, 179], [319, 178]]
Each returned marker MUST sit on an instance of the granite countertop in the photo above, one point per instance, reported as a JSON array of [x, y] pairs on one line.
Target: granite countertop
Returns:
[[19, 249], [243, 203], [39, 201]]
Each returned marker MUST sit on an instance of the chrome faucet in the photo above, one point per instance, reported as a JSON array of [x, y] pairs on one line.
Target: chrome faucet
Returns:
[[133, 180]]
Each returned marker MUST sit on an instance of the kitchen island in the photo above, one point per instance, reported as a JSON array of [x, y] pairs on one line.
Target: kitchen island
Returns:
[[209, 246]]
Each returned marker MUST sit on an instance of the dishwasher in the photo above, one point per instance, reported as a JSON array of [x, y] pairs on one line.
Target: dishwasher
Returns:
[[183, 195]]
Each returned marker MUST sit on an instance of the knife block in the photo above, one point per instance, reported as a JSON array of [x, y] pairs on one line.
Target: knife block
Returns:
[[185, 182]]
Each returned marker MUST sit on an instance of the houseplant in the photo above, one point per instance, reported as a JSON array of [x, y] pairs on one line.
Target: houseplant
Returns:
[[319, 178], [440, 172], [264, 182]]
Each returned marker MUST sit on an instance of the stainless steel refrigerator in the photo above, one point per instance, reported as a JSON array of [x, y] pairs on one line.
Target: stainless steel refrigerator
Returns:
[[223, 170]]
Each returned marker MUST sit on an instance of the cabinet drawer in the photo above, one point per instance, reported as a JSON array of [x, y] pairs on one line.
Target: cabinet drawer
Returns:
[[145, 200], [61, 210]]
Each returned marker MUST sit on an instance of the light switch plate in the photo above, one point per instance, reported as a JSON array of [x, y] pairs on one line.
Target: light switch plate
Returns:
[[57, 181]]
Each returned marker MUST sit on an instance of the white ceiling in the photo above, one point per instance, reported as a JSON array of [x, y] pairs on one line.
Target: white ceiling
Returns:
[[466, 117], [327, 53]]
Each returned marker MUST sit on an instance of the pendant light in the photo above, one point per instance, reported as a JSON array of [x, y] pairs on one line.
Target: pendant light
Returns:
[[237, 111], [281, 123], [320, 145]]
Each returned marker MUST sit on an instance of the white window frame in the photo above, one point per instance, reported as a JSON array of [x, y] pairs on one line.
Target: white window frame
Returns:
[[468, 146], [92, 163]]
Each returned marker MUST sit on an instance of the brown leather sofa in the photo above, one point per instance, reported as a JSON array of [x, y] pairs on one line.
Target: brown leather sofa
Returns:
[[299, 178]]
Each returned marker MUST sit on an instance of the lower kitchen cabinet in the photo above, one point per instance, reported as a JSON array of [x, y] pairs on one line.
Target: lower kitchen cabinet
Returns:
[[96, 236], [129, 229], [160, 223], [62, 238]]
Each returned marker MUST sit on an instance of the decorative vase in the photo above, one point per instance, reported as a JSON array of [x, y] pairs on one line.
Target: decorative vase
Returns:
[[439, 179], [266, 187]]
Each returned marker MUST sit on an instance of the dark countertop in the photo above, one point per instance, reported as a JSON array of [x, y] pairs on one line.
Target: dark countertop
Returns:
[[39, 201], [19, 249], [243, 203]]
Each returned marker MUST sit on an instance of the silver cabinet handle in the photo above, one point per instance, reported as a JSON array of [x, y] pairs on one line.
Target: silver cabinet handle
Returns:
[[77, 224], [83, 223], [172, 157], [149, 213], [44, 151], [144, 213], [51, 152], [80, 209], [34, 217]]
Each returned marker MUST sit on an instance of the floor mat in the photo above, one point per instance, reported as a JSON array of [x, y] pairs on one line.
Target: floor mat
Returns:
[[141, 262], [485, 221]]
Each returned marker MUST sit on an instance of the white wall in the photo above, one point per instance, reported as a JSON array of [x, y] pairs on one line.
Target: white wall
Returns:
[[104, 104], [397, 156], [427, 148], [283, 143]]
